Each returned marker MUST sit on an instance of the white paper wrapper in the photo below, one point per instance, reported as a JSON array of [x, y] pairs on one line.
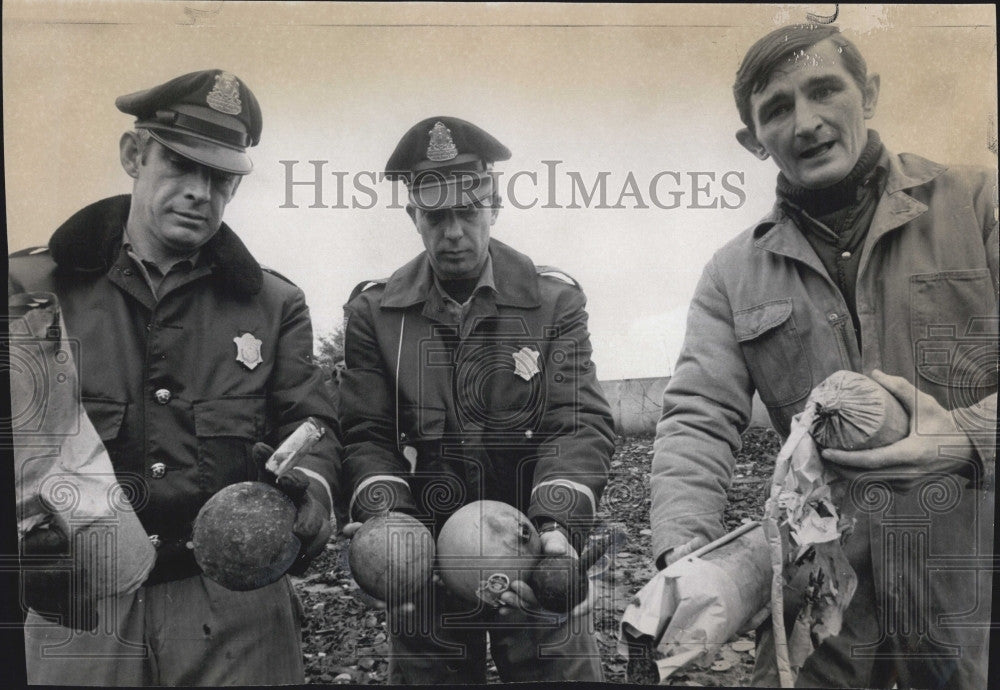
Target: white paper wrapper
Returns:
[[697, 604]]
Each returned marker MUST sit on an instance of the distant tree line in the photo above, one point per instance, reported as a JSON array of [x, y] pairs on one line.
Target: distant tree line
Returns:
[[329, 355]]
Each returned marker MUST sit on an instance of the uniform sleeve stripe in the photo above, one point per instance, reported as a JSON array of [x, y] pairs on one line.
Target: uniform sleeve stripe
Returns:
[[583, 489], [368, 482], [312, 474]]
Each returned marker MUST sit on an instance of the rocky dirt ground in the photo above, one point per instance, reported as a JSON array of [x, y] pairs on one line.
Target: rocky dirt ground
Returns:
[[344, 639]]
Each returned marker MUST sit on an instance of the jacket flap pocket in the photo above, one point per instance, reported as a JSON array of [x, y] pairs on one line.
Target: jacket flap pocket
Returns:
[[421, 422], [240, 416], [753, 322], [106, 415]]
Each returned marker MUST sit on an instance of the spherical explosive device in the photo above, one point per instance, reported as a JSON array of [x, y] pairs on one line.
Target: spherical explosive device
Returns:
[[392, 557], [481, 542], [242, 537]]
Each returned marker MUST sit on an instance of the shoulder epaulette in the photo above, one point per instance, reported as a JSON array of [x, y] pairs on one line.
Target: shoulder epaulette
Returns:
[[552, 272], [278, 275], [365, 285], [30, 251]]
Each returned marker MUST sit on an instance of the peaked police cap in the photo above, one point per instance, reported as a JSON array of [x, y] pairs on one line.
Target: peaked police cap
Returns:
[[211, 117], [446, 162]]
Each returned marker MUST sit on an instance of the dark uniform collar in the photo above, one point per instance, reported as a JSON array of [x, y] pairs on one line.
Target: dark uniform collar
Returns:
[[514, 277], [90, 242]]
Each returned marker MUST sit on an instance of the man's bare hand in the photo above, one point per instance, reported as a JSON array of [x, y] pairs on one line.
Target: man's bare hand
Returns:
[[918, 454], [351, 528]]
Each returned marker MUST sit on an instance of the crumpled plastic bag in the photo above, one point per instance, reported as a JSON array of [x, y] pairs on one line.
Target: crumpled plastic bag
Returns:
[[805, 534], [62, 471], [697, 604]]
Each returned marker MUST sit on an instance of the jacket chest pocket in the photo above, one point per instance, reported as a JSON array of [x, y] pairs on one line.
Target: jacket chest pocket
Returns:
[[953, 328], [226, 429], [772, 348], [501, 387], [106, 415]]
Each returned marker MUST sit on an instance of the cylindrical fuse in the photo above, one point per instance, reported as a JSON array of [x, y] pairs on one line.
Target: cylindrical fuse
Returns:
[[293, 448]]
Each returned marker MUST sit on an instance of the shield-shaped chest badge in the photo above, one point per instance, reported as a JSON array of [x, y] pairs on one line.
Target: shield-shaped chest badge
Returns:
[[248, 350]]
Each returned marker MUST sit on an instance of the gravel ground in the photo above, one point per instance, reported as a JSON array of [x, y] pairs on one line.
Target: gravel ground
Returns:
[[344, 640]]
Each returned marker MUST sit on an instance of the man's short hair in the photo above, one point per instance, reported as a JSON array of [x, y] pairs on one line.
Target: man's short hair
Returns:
[[142, 139], [774, 49]]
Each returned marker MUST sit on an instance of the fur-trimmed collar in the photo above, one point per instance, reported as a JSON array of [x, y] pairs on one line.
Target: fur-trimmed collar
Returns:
[[90, 240]]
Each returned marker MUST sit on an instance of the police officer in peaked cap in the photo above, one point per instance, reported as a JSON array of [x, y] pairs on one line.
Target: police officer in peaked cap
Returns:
[[193, 360], [469, 368]]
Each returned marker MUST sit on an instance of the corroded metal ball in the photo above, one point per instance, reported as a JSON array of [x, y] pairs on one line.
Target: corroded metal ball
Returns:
[[243, 536], [392, 557]]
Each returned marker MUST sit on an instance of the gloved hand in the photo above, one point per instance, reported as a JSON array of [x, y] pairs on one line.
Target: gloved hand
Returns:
[[312, 519], [47, 577]]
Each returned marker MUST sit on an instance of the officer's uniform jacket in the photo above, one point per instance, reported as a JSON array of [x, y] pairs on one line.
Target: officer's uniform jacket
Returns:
[[766, 317], [160, 378], [437, 414]]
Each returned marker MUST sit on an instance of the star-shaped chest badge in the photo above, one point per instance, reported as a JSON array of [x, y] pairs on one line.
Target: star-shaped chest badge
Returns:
[[526, 363]]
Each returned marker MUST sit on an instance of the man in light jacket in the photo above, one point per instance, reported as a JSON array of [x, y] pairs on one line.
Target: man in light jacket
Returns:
[[879, 263]]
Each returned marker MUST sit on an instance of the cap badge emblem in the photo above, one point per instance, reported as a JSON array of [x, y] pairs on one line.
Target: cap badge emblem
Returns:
[[441, 147], [225, 95], [526, 363], [248, 350]]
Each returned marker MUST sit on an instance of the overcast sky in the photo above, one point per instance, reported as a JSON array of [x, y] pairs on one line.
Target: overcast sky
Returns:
[[620, 93]]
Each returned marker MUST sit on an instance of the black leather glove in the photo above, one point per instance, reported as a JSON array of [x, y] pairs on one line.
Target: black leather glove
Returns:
[[47, 579], [312, 519]]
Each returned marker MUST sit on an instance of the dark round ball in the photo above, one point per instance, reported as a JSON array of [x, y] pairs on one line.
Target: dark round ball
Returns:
[[558, 583], [243, 536]]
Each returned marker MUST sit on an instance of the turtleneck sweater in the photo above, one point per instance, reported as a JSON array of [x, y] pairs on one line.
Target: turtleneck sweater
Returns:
[[835, 219]]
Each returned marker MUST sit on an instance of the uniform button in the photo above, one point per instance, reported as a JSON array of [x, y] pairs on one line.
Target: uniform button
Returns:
[[162, 396], [127, 271], [158, 469], [528, 433], [845, 255], [832, 317], [155, 540]]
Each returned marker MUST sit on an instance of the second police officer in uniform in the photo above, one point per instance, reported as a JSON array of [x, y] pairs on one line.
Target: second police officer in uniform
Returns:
[[432, 362]]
